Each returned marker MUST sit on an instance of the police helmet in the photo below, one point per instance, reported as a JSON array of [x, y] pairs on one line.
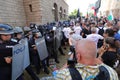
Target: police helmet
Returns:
[[18, 30], [33, 26], [26, 29], [36, 31], [6, 29]]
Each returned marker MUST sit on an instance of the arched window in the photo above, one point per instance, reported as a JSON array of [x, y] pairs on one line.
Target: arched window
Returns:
[[64, 13], [55, 12], [30, 7], [61, 12]]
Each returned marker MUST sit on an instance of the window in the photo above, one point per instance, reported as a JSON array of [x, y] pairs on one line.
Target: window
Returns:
[[30, 6]]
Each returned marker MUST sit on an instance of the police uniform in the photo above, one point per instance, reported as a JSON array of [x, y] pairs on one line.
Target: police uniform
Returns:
[[6, 45], [5, 51], [17, 30], [35, 57]]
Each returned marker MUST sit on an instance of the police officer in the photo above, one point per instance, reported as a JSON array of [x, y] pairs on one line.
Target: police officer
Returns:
[[27, 32], [6, 45], [50, 42], [34, 53], [18, 35]]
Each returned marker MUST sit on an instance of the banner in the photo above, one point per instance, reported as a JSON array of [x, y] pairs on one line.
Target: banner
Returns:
[[17, 60], [41, 48], [26, 53]]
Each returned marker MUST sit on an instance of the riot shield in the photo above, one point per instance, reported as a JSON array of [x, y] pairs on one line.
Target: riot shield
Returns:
[[26, 54], [41, 48], [57, 38], [17, 60]]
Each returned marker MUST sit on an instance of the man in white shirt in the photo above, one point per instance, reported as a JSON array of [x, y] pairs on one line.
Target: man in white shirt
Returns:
[[94, 36], [66, 31], [77, 29]]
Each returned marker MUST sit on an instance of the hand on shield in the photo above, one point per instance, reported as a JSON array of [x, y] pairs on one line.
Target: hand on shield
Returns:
[[8, 60], [35, 48]]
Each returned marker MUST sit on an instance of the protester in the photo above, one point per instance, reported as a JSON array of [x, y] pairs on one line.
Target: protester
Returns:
[[108, 53], [87, 65], [94, 36]]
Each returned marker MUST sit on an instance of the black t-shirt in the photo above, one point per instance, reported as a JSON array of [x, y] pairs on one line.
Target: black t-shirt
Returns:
[[85, 32], [109, 57]]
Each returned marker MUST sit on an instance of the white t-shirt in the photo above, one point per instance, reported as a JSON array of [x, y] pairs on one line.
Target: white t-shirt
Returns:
[[77, 30], [94, 37], [67, 31]]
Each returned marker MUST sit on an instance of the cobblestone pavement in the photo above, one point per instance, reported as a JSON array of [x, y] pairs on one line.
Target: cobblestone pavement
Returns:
[[62, 59]]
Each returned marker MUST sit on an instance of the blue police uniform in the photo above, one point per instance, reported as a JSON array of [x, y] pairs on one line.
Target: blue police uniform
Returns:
[[5, 51], [35, 57], [29, 69]]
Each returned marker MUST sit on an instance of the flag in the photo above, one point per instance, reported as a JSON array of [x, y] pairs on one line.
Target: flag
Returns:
[[110, 16], [87, 15], [97, 6], [78, 13]]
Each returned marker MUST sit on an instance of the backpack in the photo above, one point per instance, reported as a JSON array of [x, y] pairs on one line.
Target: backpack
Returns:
[[101, 31], [102, 75]]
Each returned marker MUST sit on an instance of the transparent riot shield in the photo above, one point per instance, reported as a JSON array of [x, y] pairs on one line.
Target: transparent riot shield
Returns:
[[41, 47], [26, 54], [17, 60]]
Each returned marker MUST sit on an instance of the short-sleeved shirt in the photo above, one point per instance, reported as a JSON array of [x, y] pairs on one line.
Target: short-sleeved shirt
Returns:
[[109, 57], [77, 30], [67, 32], [94, 37], [86, 72]]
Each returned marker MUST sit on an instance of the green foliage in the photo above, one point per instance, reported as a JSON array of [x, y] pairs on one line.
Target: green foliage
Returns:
[[74, 14]]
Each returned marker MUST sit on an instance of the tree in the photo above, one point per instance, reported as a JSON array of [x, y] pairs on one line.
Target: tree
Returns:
[[74, 14]]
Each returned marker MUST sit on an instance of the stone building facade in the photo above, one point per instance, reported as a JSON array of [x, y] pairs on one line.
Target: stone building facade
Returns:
[[110, 5], [24, 12], [12, 12]]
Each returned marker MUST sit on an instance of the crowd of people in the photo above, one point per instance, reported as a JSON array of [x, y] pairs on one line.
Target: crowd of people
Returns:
[[97, 45], [94, 44]]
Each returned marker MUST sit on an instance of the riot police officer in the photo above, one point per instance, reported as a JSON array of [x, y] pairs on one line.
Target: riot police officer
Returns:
[[27, 32], [34, 53], [6, 45], [50, 42], [18, 35]]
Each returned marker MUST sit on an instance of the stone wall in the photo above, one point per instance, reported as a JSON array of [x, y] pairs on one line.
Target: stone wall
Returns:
[[48, 10], [24, 12], [32, 10], [12, 12]]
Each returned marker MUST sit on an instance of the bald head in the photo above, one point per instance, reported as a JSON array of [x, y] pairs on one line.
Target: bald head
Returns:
[[86, 48]]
